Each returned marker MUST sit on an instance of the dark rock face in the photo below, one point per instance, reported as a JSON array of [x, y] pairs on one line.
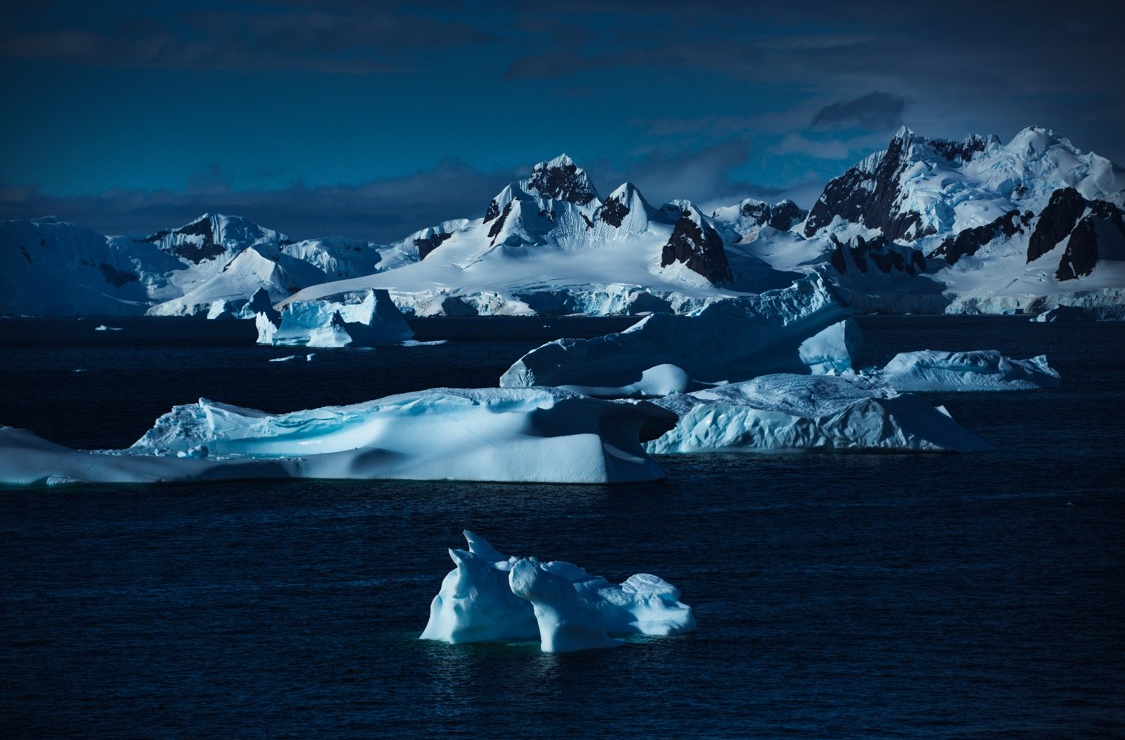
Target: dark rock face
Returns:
[[1084, 248], [1055, 221], [699, 247], [868, 197], [613, 211], [116, 277], [786, 213], [492, 212], [428, 244], [205, 250], [759, 213], [968, 241], [877, 252], [496, 227], [962, 150], [562, 182], [780, 216], [1081, 254]]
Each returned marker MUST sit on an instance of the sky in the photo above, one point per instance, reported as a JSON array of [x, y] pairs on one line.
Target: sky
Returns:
[[375, 119]]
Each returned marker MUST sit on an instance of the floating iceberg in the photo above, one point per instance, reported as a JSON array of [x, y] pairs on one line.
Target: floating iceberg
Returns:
[[511, 435], [373, 322], [801, 328], [979, 370], [490, 598], [803, 412]]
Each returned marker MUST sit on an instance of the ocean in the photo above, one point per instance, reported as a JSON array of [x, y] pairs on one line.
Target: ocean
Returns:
[[837, 595]]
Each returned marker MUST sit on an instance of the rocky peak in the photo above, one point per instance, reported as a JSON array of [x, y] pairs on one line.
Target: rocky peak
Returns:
[[562, 179], [868, 192], [695, 244], [780, 216], [965, 149], [621, 202]]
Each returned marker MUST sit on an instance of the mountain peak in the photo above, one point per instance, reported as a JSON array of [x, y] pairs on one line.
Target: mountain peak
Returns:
[[562, 179]]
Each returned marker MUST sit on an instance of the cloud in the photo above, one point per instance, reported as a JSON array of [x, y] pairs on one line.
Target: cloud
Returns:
[[875, 111], [795, 143], [347, 38], [380, 210], [706, 176]]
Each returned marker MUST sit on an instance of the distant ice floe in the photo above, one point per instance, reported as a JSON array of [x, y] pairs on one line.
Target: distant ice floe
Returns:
[[373, 322], [802, 412], [801, 328], [488, 597], [512, 435], [978, 370]]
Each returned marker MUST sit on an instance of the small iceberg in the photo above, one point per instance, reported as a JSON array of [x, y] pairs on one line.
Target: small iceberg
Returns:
[[979, 370], [488, 597], [802, 412], [373, 322]]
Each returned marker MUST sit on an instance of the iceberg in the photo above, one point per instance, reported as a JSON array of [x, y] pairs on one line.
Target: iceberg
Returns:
[[978, 370], [373, 322], [803, 412], [801, 328], [491, 598], [510, 435]]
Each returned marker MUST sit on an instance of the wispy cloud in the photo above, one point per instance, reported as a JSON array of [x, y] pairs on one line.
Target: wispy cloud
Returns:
[[347, 38], [379, 210], [875, 110]]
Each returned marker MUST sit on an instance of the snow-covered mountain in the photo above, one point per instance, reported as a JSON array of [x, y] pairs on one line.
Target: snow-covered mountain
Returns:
[[968, 226], [548, 244], [926, 225], [211, 266]]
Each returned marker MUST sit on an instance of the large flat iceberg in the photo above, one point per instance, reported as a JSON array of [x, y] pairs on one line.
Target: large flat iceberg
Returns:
[[977, 370], [801, 328], [802, 412], [374, 321], [510, 435], [488, 597]]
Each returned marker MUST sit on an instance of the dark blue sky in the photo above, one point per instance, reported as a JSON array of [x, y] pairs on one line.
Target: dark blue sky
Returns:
[[376, 119]]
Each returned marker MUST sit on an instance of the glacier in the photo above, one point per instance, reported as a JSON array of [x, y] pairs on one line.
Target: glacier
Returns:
[[803, 412], [794, 329], [488, 597], [502, 435], [374, 321]]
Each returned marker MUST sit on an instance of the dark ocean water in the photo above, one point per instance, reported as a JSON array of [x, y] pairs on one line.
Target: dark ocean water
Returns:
[[837, 596]]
